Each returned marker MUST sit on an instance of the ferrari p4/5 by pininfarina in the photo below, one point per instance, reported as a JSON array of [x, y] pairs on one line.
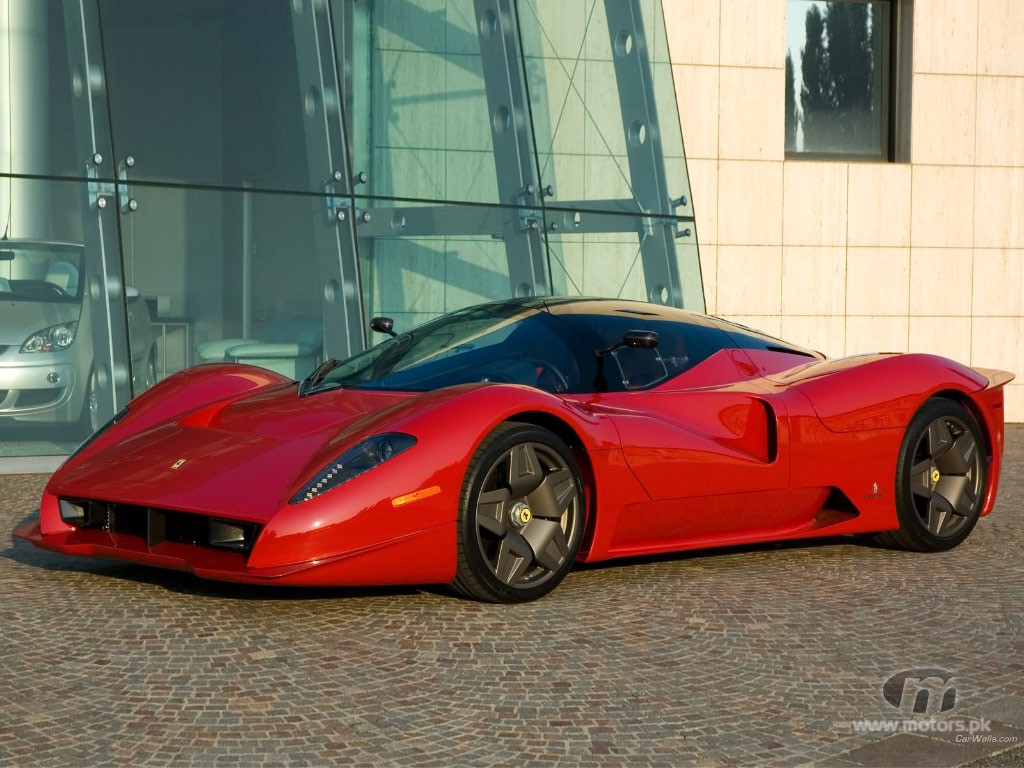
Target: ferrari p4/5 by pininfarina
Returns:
[[494, 447]]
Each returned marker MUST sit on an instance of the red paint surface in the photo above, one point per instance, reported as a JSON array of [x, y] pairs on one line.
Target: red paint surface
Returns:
[[747, 446]]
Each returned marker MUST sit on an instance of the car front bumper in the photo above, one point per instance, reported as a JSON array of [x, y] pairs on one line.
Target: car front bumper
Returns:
[[43, 390]]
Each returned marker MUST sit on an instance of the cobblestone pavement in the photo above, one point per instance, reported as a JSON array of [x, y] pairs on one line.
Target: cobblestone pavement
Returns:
[[764, 655]]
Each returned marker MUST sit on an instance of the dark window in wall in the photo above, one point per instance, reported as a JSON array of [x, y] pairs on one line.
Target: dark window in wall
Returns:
[[848, 78]]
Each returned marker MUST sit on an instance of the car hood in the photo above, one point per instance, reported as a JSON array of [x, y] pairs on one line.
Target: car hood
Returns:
[[20, 319], [241, 458]]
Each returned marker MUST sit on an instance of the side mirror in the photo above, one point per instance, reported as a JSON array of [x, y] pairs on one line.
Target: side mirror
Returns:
[[383, 325], [640, 339], [633, 340]]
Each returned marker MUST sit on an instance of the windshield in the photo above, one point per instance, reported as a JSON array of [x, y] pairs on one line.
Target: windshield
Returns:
[[502, 342], [40, 271]]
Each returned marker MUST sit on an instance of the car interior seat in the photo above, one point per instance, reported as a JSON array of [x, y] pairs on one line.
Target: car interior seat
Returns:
[[291, 346], [64, 275]]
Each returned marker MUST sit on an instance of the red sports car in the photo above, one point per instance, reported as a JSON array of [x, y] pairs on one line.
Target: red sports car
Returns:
[[492, 448]]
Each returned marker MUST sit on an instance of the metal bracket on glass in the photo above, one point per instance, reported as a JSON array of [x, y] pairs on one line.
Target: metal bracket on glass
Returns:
[[99, 191], [681, 231], [338, 207], [529, 218], [501, 61], [128, 203], [637, 104]]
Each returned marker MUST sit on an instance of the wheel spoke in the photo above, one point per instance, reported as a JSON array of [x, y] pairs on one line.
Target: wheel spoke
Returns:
[[548, 543], [940, 439], [514, 558], [920, 482], [951, 489], [525, 518], [967, 504], [524, 470], [553, 496], [492, 511], [939, 510], [960, 457]]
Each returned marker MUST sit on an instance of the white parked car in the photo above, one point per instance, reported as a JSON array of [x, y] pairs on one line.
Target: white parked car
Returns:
[[47, 372]]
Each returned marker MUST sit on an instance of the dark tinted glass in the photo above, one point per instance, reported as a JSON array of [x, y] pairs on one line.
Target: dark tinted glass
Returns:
[[747, 338], [505, 343], [681, 346]]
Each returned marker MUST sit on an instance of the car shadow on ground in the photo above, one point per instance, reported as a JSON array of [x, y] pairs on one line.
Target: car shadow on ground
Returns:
[[859, 540], [183, 582]]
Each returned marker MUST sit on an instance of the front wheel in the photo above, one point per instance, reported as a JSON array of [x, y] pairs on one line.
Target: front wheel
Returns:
[[90, 419], [941, 478], [521, 516]]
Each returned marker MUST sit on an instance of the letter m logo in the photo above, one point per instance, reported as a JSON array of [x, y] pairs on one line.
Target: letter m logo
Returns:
[[921, 691]]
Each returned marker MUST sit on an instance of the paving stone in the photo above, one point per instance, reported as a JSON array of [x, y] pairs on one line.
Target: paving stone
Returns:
[[909, 750], [760, 655]]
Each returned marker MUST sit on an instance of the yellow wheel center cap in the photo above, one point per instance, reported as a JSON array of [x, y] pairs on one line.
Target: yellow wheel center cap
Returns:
[[935, 475], [520, 515]]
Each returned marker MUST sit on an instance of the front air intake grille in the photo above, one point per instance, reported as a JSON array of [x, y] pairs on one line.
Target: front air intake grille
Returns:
[[34, 398], [157, 526]]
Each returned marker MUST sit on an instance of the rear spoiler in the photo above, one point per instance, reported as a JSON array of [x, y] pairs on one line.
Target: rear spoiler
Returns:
[[996, 378]]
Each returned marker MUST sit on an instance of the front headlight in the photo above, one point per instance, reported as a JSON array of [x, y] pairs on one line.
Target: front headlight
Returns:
[[52, 339], [353, 462]]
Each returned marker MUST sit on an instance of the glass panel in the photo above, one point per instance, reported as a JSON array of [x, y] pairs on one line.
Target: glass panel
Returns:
[[676, 174], [599, 254], [62, 337], [603, 103], [428, 131], [836, 90], [420, 261], [49, 77], [234, 276], [224, 92]]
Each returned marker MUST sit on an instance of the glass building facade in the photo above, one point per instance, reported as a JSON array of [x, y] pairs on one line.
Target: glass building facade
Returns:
[[184, 181]]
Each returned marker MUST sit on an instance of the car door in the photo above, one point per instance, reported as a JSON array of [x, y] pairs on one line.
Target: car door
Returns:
[[710, 446]]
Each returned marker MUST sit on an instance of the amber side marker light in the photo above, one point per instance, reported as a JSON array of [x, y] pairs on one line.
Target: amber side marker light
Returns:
[[409, 498]]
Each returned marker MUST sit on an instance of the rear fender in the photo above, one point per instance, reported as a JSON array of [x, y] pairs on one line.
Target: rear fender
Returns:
[[873, 392]]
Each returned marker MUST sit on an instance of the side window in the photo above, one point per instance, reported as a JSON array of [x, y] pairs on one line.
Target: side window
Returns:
[[747, 338], [681, 346]]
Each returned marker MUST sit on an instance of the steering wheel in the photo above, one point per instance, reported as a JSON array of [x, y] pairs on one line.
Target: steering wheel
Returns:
[[549, 378], [56, 289]]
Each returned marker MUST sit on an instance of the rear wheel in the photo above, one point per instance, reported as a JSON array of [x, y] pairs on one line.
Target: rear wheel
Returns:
[[941, 478], [521, 516]]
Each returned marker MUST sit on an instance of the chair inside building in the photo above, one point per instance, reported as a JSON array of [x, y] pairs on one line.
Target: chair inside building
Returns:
[[291, 346]]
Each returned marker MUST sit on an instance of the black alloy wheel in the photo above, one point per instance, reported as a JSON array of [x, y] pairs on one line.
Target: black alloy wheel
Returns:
[[941, 478], [521, 516]]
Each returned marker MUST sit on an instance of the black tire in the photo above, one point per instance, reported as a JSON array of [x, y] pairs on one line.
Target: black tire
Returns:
[[521, 516], [89, 421], [150, 379], [941, 478]]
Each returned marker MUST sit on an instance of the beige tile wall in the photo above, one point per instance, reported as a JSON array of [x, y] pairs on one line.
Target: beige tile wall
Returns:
[[853, 256]]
